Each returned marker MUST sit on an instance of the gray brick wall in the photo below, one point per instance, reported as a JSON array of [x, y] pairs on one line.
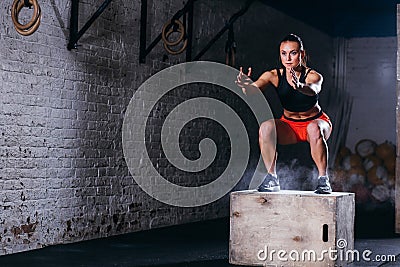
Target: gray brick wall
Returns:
[[63, 177], [371, 80]]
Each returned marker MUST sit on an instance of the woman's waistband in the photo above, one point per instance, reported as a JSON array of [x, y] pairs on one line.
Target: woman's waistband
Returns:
[[306, 119]]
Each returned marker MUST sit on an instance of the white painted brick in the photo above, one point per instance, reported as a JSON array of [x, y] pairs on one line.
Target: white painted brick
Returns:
[[61, 115], [371, 80]]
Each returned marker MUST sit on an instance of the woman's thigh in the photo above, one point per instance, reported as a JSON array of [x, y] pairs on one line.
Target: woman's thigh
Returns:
[[285, 134]]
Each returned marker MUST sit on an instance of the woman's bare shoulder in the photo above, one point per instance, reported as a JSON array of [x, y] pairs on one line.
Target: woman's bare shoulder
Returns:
[[269, 77], [314, 75]]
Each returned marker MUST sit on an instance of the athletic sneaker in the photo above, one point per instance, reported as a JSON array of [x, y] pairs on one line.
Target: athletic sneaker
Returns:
[[270, 184], [324, 187]]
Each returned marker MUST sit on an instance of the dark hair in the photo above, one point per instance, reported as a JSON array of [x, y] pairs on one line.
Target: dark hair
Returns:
[[294, 38]]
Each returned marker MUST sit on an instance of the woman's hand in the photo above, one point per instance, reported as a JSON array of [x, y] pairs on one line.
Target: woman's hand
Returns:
[[295, 80], [243, 81], [311, 88]]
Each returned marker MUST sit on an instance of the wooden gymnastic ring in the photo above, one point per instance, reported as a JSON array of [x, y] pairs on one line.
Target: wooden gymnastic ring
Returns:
[[173, 52], [33, 24], [164, 34], [16, 8], [29, 31]]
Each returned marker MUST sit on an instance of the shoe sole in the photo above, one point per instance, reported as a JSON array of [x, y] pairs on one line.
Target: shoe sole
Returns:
[[322, 192], [271, 189]]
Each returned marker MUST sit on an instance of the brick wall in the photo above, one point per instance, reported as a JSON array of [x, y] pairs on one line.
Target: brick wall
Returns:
[[371, 80], [63, 177]]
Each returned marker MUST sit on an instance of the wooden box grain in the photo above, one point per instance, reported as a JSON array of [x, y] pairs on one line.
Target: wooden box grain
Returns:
[[291, 228]]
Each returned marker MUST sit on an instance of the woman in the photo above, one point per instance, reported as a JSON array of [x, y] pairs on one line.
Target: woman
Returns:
[[298, 87]]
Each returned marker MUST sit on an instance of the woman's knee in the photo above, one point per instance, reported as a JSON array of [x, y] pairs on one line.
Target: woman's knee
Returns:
[[314, 131], [267, 129]]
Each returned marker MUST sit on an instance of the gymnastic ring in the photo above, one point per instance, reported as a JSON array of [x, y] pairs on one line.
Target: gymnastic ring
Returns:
[[33, 24], [173, 52], [16, 8], [165, 35], [29, 31]]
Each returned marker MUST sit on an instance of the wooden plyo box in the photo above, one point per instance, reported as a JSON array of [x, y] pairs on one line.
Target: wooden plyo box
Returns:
[[291, 228]]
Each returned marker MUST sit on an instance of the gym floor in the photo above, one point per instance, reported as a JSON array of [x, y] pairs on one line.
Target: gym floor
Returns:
[[196, 244]]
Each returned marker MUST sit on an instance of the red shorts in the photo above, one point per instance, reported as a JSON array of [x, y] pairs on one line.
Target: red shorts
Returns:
[[299, 127]]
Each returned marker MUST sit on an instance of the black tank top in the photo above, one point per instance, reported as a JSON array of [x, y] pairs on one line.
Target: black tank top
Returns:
[[291, 99]]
